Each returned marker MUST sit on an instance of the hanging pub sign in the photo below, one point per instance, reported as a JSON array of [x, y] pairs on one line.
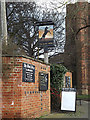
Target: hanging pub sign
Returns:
[[28, 73], [46, 37], [43, 81]]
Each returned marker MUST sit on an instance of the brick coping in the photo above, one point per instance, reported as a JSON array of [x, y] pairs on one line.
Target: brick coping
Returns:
[[27, 57]]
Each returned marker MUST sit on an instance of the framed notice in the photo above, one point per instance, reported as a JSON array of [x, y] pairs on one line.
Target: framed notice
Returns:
[[28, 74], [68, 100], [43, 81], [67, 81]]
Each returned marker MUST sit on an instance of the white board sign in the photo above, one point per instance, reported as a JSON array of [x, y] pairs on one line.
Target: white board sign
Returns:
[[68, 100]]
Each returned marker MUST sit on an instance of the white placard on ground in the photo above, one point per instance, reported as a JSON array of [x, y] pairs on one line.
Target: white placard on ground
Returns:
[[68, 100]]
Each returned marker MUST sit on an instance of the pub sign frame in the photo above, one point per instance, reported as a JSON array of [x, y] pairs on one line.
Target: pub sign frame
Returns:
[[45, 34]]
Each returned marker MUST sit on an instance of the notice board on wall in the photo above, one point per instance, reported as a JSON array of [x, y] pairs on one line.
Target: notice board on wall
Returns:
[[28, 74], [43, 81], [68, 100]]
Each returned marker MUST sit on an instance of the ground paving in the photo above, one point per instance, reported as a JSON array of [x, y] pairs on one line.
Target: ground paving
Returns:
[[82, 111]]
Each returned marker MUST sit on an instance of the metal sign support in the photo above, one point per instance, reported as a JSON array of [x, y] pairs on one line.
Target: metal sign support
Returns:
[[46, 55]]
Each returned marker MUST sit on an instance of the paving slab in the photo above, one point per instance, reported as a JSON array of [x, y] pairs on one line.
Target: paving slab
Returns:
[[82, 111]]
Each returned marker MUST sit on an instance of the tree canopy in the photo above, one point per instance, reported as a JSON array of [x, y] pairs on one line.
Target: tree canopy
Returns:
[[21, 19]]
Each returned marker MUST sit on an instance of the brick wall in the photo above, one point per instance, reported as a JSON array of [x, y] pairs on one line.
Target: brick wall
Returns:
[[0, 95], [81, 52], [76, 56], [82, 43], [0, 68], [23, 99], [88, 45], [78, 14]]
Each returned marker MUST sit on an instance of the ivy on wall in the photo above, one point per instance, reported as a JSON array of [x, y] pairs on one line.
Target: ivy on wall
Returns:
[[57, 74]]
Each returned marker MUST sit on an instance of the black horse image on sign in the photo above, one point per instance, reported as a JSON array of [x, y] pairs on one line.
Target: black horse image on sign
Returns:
[[43, 77], [28, 73], [46, 36]]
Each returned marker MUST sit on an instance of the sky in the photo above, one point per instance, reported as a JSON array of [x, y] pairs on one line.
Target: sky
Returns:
[[56, 3], [47, 3], [41, 1], [44, 1]]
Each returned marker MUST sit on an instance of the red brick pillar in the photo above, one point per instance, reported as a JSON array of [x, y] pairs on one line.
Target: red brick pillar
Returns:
[[22, 99], [0, 96], [82, 48]]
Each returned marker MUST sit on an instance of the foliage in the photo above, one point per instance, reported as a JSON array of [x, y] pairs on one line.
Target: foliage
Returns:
[[11, 48], [55, 98], [57, 72], [83, 97], [21, 19]]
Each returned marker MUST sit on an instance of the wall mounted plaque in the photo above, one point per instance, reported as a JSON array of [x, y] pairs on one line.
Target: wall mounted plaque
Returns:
[[67, 81], [43, 81], [28, 73]]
